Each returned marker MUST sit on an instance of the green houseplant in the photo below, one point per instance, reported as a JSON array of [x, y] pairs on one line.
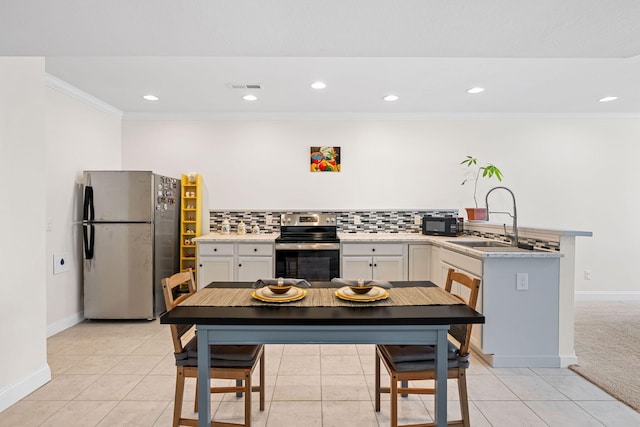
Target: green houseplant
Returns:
[[488, 171]]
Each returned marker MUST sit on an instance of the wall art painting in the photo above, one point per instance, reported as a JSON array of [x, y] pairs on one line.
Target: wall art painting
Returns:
[[325, 159]]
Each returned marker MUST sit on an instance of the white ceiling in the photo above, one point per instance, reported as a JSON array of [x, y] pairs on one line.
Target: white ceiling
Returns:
[[544, 56]]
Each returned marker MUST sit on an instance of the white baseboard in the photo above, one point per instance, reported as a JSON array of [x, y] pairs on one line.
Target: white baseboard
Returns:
[[63, 324], [607, 296], [14, 392]]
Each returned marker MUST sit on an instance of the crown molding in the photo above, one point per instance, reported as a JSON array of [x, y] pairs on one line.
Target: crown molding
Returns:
[[177, 116], [82, 96]]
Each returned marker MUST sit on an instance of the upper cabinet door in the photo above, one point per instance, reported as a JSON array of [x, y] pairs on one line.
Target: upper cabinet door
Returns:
[[123, 196]]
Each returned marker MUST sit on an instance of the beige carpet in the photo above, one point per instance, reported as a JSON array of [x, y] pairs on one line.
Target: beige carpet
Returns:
[[608, 347]]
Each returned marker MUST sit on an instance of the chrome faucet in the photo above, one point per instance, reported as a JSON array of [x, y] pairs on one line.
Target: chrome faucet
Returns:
[[514, 235]]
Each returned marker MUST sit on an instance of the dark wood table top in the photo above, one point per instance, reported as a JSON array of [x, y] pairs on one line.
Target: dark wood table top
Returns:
[[284, 314]]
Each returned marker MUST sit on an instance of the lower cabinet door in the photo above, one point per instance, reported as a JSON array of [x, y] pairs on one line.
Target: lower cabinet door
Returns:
[[251, 269], [388, 268], [357, 267], [214, 269]]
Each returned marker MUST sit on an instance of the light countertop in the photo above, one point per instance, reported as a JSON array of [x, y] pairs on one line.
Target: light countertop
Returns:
[[238, 238], [410, 238]]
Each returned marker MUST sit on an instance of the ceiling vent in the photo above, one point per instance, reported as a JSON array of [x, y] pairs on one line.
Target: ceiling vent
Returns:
[[244, 86]]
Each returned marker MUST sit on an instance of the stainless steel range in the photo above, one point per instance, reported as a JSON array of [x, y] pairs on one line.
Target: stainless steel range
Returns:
[[308, 247]]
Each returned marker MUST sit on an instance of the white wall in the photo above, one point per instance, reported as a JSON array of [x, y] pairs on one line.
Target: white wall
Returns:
[[22, 229], [568, 173], [78, 137]]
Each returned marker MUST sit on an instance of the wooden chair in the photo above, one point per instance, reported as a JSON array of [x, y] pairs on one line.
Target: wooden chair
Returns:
[[234, 362], [416, 362]]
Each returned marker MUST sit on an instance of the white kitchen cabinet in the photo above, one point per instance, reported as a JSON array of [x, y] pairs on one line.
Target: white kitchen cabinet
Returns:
[[373, 261], [244, 262], [251, 269], [255, 261], [373, 268], [434, 267], [215, 263], [419, 262], [357, 267], [214, 269]]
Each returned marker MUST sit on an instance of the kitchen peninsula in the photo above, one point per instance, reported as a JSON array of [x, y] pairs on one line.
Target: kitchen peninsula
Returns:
[[526, 295]]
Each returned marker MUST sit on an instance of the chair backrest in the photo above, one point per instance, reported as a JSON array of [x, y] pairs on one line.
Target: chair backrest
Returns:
[[173, 296], [462, 333]]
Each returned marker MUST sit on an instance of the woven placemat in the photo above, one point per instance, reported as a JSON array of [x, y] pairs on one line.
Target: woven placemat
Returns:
[[321, 297]]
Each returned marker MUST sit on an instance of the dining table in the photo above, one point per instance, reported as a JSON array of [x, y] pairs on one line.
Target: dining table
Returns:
[[413, 312]]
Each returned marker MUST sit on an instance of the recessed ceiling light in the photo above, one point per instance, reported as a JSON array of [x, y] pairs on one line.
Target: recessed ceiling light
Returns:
[[151, 97], [475, 90], [318, 85], [608, 99], [250, 97], [391, 98]]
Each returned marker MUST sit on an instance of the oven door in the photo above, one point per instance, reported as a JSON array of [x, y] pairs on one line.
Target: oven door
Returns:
[[311, 261]]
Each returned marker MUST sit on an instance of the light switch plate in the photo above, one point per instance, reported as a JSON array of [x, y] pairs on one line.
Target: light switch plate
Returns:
[[522, 281], [61, 262]]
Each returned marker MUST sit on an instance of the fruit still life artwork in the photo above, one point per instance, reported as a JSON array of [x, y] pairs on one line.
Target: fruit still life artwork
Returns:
[[325, 159]]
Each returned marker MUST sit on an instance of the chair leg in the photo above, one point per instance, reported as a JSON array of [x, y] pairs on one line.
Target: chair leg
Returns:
[[177, 404], [247, 398], [377, 384], [464, 400], [393, 395]]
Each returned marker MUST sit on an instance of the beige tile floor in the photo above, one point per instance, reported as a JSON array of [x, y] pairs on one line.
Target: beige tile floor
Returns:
[[122, 374]]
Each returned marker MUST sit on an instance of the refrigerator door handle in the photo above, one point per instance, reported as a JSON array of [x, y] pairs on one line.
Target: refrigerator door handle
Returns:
[[88, 211], [88, 234]]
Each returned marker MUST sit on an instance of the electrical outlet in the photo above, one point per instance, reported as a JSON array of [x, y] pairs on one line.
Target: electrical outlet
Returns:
[[417, 219], [522, 281], [60, 262], [587, 275], [357, 220]]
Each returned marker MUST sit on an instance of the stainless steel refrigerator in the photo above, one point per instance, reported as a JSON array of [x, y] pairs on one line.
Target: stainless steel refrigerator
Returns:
[[131, 241]]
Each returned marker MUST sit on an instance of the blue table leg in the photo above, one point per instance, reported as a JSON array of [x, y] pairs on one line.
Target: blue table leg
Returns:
[[441, 380], [204, 385]]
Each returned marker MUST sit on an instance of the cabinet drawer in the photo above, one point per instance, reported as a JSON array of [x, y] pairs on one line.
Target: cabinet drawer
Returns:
[[463, 262], [261, 249], [372, 249], [215, 249]]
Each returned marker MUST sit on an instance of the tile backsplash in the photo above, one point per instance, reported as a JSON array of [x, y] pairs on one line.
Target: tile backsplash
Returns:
[[382, 221], [375, 221]]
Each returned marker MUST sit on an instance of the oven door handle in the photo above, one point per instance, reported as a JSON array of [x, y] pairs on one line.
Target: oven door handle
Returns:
[[307, 246]]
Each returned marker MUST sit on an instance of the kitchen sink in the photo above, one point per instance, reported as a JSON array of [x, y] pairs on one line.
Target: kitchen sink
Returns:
[[491, 246], [501, 249], [479, 243]]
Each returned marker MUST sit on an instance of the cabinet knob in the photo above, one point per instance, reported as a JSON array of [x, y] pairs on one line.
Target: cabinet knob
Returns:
[[199, 265], [370, 265], [375, 265], [215, 249], [255, 249], [239, 265]]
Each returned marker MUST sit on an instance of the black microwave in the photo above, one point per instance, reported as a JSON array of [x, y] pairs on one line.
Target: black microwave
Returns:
[[442, 226]]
